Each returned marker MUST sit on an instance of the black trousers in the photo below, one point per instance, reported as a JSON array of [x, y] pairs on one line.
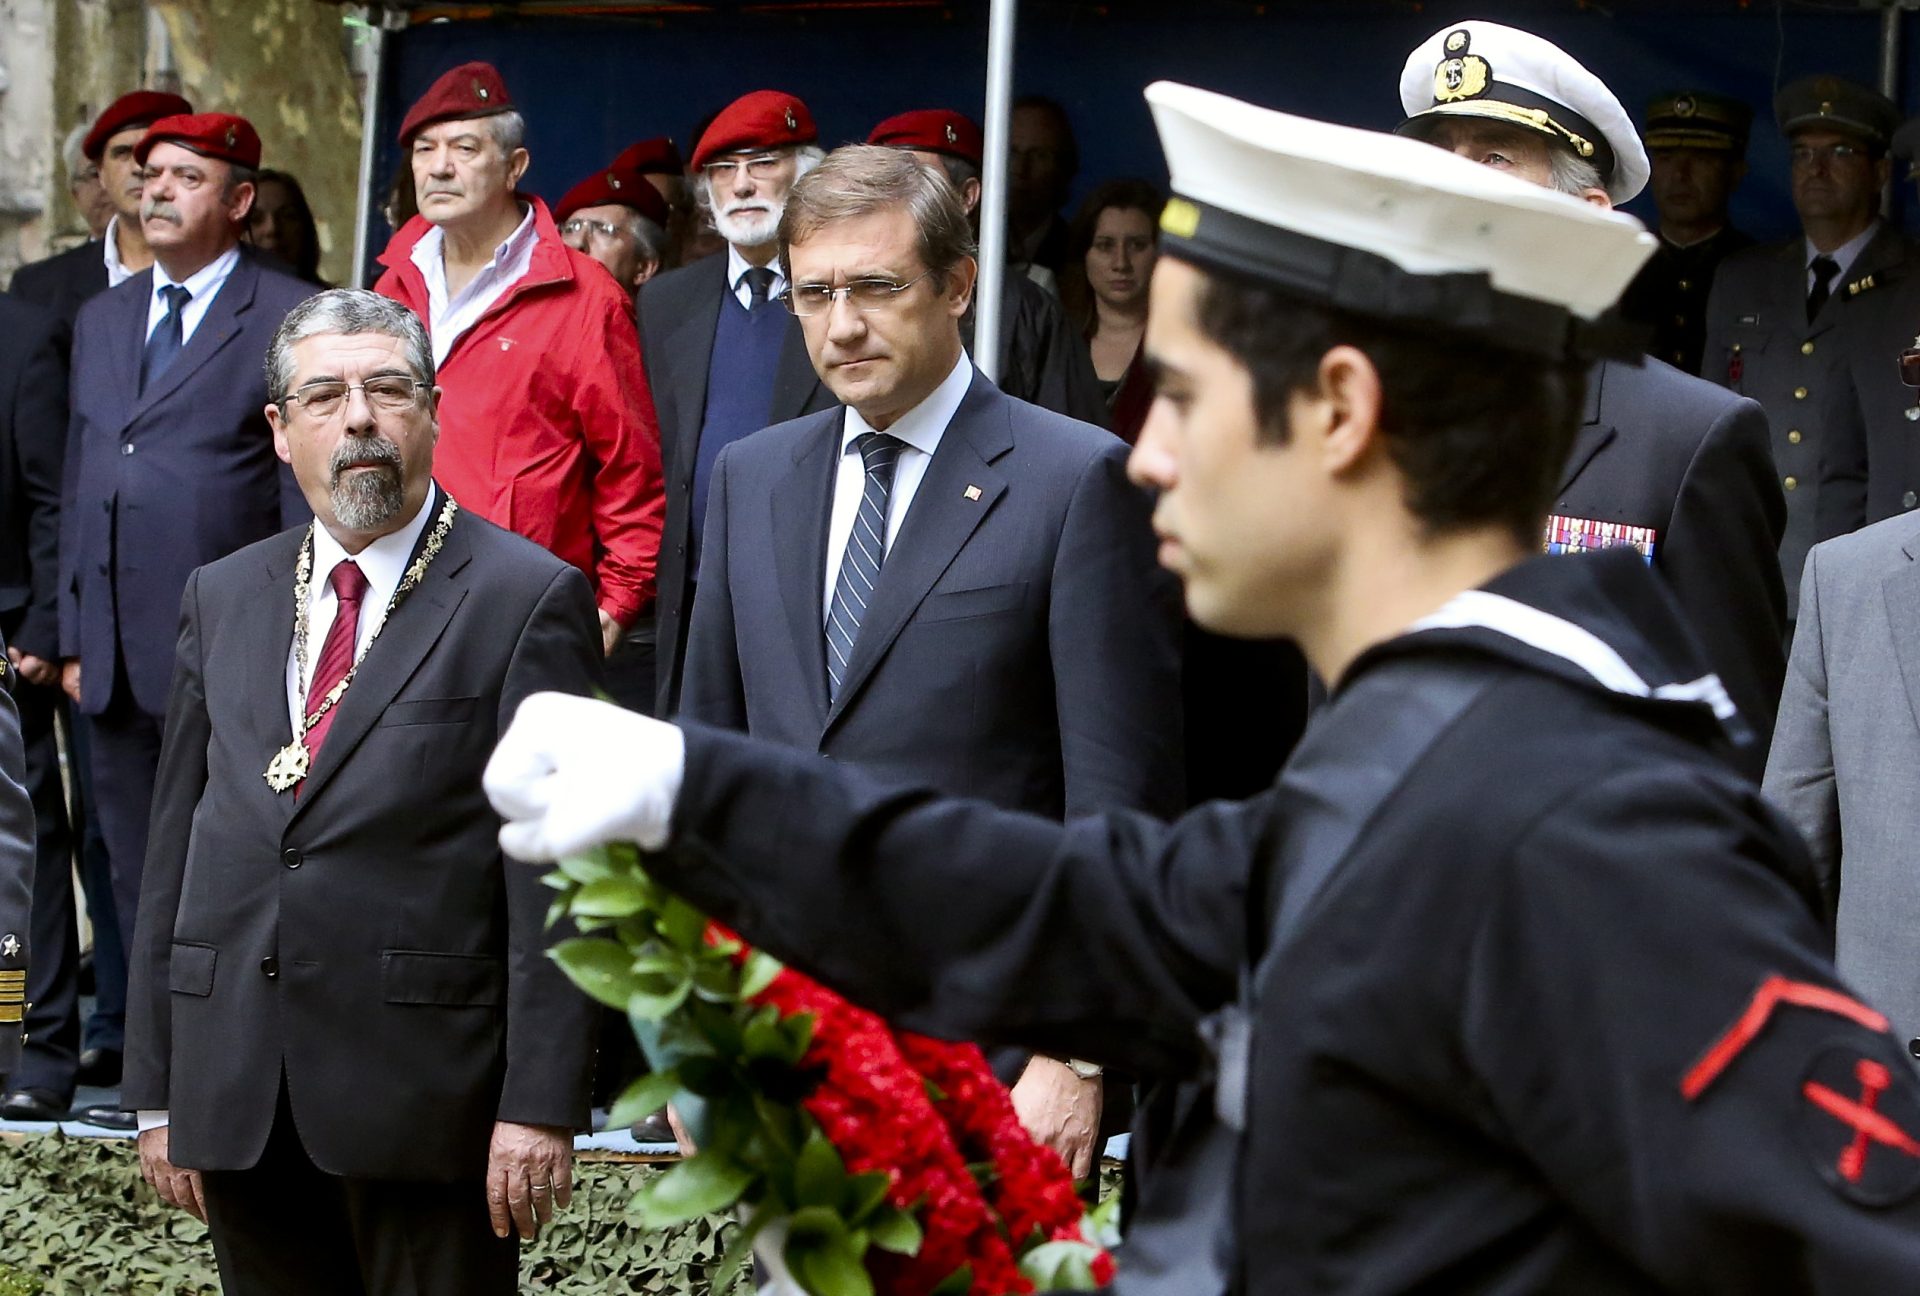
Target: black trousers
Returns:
[[287, 1228]]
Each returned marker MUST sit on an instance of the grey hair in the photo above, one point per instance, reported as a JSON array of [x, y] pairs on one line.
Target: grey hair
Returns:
[[509, 130], [1569, 173], [647, 236], [805, 158], [959, 171], [70, 153], [345, 311]]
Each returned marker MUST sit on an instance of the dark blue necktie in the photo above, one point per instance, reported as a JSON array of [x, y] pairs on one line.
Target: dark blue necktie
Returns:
[[866, 550], [759, 281], [164, 343]]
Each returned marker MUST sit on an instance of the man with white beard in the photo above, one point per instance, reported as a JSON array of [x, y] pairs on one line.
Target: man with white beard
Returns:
[[723, 357]]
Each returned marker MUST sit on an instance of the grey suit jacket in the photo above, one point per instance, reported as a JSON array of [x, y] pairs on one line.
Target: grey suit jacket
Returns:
[[1021, 646], [1845, 764]]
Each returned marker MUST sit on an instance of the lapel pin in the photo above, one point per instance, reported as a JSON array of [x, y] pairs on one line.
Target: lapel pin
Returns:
[[971, 492]]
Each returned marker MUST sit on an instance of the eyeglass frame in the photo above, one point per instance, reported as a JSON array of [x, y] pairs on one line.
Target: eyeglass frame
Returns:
[[791, 302], [771, 159], [605, 229], [295, 397], [1808, 154]]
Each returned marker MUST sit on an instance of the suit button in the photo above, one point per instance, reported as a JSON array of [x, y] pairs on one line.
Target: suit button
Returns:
[[1799, 393], [103, 569], [1685, 284], [106, 506], [126, 449], [1793, 437], [1806, 348], [271, 967], [1909, 500], [290, 857], [1913, 413], [1913, 1047], [1791, 483]]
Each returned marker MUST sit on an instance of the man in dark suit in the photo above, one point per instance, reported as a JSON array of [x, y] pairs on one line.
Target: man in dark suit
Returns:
[[1774, 319], [938, 583], [63, 282], [722, 358], [33, 433], [1664, 463], [16, 872], [360, 1052], [169, 462]]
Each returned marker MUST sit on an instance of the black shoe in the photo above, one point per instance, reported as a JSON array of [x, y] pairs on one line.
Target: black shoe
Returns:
[[110, 1118], [32, 1105], [654, 1129], [99, 1068]]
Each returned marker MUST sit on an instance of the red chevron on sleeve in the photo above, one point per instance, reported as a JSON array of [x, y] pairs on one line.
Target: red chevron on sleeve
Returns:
[[1773, 992]]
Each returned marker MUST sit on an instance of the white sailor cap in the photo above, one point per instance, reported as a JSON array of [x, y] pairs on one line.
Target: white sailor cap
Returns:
[[1391, 229], [1484, 69]]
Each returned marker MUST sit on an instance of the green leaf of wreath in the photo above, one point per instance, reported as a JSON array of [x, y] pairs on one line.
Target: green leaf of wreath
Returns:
[[643, 1098], [697, 1186], [601, 968]]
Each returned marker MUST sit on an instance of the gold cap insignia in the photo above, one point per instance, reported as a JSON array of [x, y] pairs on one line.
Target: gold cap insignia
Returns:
[[1826, 107], [1457, 41], [1683, 106], [1180, 218], [793, 123], [613, 181], [1466, 77], [953, 136], [233, 136], [480, 90]]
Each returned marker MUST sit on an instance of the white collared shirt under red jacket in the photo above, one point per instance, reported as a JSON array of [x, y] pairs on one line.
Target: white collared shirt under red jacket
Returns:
[[546, 419]]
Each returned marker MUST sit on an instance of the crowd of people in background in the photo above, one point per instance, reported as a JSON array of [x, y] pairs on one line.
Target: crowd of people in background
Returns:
[[605, 368]]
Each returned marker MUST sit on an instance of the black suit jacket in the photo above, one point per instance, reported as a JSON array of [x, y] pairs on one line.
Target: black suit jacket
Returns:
[[368, 937], [63, 282], [33, 437], [679, 311], [1665, 450], [161, 481], [1022, 644]]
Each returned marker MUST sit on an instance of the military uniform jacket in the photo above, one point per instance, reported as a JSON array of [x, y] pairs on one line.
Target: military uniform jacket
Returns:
[[1555, 1013], [16, 870], [1669, 295], [1684, 468], [1760, 344], [1872, 469]]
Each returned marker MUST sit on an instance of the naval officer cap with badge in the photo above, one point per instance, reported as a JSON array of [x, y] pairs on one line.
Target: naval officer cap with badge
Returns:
[[1670, 466], [1534, 999]]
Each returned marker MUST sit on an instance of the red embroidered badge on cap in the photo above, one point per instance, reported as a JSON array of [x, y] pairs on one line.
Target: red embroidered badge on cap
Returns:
[[1859, 1125]]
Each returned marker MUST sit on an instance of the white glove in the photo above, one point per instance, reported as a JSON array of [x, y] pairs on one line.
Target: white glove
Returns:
[[572, 774]]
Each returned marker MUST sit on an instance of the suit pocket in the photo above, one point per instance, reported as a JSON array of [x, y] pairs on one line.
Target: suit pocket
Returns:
[[958, 605], [190, 970], [454, 980], [427, 711]]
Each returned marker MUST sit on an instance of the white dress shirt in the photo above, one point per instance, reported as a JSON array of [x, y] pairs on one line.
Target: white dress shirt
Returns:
[[1843, 256], [449, 317], [204, 283], [383, 562], [117, 272], [919, 430], [737, 267]]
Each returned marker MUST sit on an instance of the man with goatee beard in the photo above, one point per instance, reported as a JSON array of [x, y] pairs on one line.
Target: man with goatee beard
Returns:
[[169, 461], [724, 358], [350, 1055]]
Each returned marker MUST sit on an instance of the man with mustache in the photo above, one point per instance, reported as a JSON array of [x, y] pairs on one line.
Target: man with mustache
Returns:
[[548, 424], [936, 582], [1774, 317], [169, 461], [723, 357], [350, 1055], [61, 283]]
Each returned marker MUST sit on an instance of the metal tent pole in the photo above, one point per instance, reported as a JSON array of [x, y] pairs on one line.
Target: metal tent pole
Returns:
[[374, 61], [993, 189]]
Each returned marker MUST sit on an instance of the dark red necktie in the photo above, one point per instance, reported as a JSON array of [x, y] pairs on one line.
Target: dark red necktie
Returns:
[[336, 655]]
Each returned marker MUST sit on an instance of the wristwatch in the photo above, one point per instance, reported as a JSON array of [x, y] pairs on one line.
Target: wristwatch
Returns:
[[1085, 1070]]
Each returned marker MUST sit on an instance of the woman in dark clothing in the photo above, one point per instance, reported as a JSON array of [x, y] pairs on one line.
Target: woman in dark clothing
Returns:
[[1113, 243], [281, 223]]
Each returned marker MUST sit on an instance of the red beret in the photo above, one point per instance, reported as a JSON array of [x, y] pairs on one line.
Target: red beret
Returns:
[[656, 156], [215, 135], [764, 119], [616, 184], [141, 108], [470, 90], [932, 130]]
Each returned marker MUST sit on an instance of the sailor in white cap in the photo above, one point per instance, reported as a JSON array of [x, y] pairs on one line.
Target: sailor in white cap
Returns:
[[1665, 463], [1509, 984]]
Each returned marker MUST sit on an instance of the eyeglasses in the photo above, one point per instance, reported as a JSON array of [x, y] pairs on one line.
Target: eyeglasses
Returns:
[[864, 294], [387, 394], [760, 168], [605, 229], [1807, 154]]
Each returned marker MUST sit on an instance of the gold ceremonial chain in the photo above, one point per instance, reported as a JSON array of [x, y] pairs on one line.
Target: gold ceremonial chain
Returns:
[[290, 763]]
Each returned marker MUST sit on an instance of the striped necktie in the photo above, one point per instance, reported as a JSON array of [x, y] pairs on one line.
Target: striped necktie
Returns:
[[866, 550]]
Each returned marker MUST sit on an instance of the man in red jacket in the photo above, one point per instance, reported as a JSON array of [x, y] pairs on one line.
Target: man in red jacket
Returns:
[[547, 423]]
